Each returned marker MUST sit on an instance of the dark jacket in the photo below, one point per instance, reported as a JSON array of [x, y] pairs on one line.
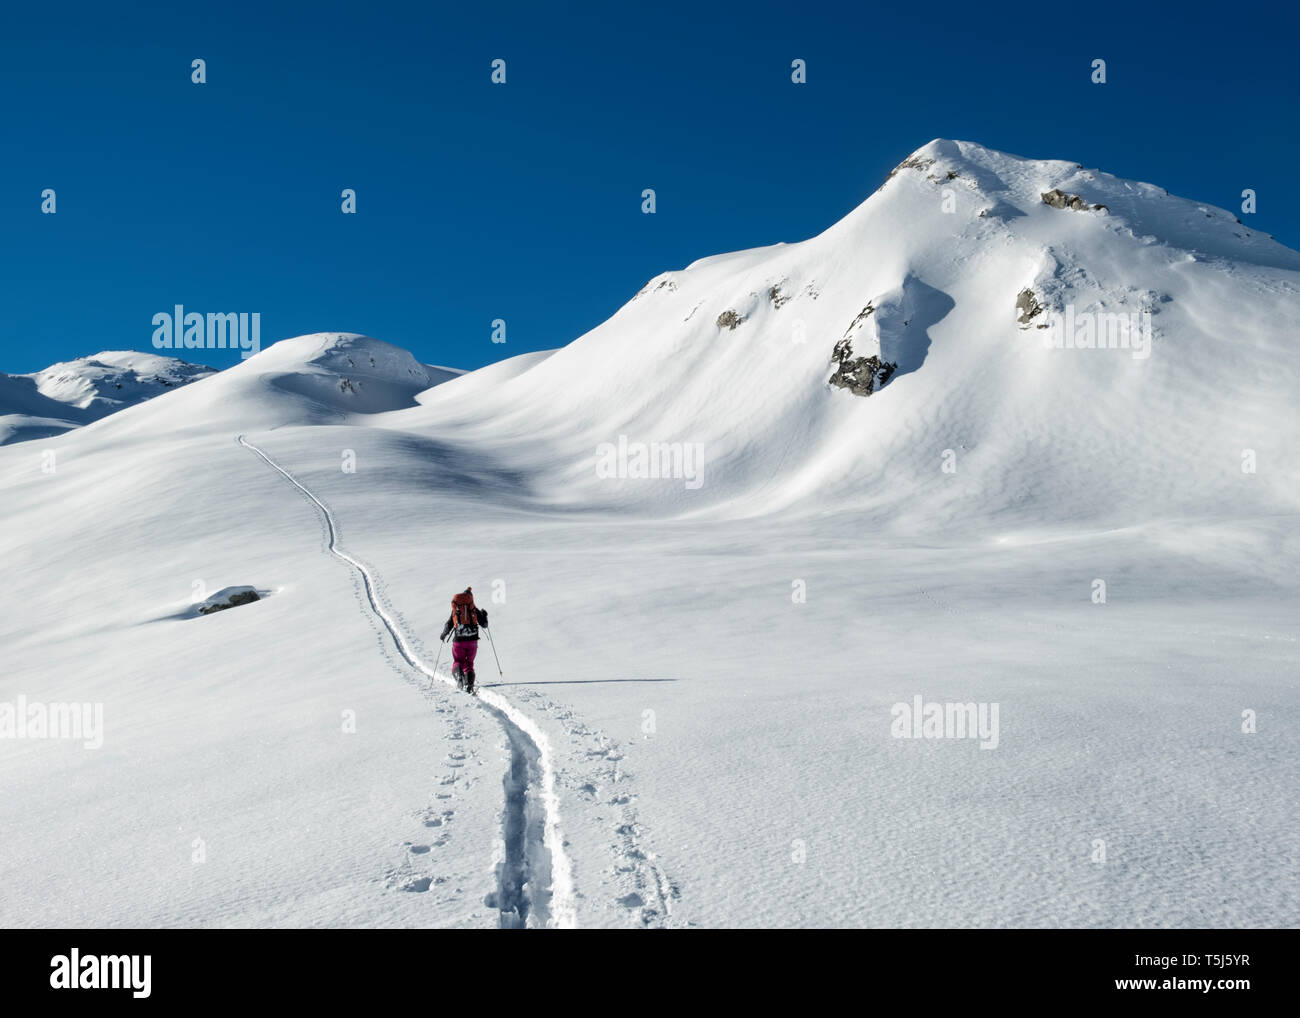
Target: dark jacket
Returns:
[[463, 633]]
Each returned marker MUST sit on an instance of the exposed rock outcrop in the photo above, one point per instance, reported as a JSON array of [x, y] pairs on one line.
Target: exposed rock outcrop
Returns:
[[860, 375], [912, 162], [231, 597], [1058, 199], [1027, 306]]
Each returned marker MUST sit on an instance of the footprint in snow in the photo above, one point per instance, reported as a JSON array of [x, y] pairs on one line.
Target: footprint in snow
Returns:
[[419, 849]]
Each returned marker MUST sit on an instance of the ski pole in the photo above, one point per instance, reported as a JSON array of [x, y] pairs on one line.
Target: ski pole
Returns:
[[493, 644], [439, 657]]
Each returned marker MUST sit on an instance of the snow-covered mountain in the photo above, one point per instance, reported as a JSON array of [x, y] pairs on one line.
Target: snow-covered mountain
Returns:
[[952, 273], [109, 381], [312, 378], [77, 392], [25, 413], [734, 353], [695, 720]]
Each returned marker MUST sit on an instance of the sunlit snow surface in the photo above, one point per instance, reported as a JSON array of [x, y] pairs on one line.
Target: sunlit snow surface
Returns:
[[721, 745]]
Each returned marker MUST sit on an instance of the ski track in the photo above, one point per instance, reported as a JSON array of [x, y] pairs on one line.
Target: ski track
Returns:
[[647, 891], [533, 842]]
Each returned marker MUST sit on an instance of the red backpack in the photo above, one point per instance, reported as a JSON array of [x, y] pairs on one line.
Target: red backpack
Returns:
[[463, 611]]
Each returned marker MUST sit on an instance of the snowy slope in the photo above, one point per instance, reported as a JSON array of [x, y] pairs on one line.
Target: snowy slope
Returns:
[[325, 378], [226, 735], [114, 379], [25, 412], [698, 681], [330, 378], [1034, 425], [73, 393]]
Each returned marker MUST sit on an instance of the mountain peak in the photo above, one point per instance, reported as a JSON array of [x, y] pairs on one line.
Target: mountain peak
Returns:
[[112, 379], [745, 355]]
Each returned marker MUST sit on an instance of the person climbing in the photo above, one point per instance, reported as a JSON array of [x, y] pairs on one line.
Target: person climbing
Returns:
[[463, 625]]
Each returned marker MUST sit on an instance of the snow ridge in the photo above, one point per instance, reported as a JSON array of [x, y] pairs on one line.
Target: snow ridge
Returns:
[[526, 740]]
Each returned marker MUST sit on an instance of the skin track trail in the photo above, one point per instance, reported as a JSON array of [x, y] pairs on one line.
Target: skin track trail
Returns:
[[534, 878]]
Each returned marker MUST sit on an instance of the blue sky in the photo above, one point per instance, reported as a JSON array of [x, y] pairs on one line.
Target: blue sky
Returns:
[[523, 202]]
